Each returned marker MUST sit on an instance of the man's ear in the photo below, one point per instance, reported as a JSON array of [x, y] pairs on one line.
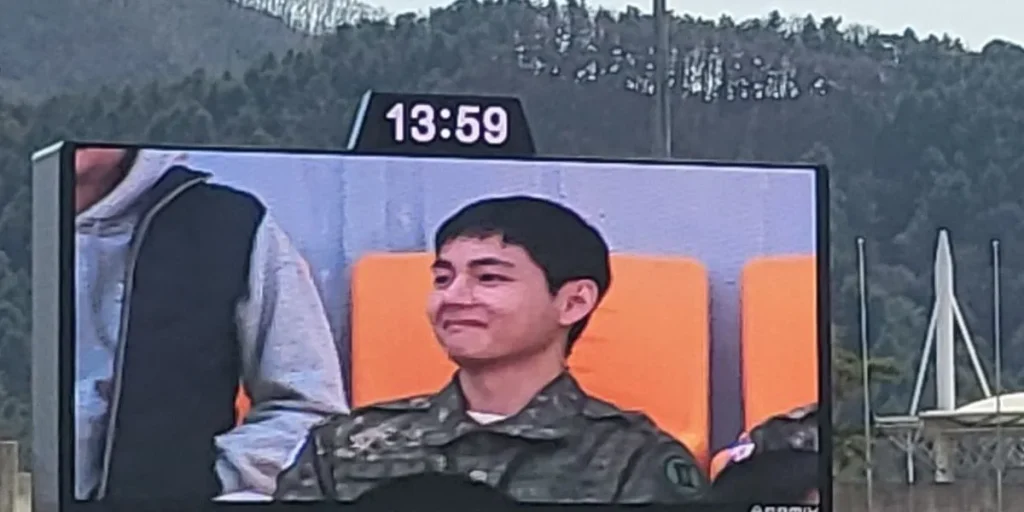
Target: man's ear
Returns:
[[575, 300]]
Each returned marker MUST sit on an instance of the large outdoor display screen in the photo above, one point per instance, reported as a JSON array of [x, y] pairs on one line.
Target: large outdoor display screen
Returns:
[[243, 325]]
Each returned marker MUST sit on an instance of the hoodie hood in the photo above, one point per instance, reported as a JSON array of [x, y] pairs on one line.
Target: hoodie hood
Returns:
[[148, 168]]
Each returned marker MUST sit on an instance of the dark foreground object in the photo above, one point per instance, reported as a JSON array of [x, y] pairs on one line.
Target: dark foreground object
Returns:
[[433, 493], [775, 477]]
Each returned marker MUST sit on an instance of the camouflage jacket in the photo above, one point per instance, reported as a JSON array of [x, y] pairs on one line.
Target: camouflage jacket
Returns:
[[564, 446], [793, 431]]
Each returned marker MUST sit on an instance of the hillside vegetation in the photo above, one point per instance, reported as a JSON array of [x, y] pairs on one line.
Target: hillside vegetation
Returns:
[[315, 16], [919, 133], [57, 46]]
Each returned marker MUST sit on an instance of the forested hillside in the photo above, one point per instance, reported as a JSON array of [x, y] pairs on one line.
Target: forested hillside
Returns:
[[56, 46], [920, 134]]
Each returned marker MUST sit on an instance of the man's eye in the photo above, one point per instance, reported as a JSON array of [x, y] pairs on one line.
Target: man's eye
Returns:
[[493, 278], [441, 280]]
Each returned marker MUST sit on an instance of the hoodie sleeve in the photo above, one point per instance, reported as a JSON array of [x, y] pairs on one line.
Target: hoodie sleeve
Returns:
[[290, 366]]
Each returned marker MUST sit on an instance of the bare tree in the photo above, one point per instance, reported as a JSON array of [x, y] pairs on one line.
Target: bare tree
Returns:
[[316, 16]]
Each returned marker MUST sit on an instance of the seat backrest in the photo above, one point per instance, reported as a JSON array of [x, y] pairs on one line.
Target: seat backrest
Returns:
[[779, 339], [646, 348]]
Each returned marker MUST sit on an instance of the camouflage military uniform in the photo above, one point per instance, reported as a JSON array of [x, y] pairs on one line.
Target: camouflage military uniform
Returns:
[[793, 431], [563, 447]]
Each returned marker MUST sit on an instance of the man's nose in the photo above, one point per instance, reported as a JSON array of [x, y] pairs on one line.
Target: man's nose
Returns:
[[460, 291]]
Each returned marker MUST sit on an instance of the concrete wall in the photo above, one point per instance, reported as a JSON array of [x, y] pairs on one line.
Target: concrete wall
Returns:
[[964, 496], [338, 207]]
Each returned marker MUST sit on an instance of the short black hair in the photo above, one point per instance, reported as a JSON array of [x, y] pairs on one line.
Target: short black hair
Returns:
[[558, 240]]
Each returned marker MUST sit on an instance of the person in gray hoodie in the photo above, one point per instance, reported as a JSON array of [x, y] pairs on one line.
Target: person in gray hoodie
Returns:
[[186, 292]]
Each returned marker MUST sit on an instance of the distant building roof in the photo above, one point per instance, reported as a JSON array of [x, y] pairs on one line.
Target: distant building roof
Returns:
[[1006, 410], [1010, 403]]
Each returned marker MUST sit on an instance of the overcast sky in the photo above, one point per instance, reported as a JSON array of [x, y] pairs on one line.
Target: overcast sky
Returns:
[[976, 22]]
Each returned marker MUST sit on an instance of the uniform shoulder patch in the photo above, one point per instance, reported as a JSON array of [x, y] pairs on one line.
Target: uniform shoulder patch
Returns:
[[682, 473]]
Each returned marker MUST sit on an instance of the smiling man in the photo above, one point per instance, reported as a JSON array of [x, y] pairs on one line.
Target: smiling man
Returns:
[[516, 280]]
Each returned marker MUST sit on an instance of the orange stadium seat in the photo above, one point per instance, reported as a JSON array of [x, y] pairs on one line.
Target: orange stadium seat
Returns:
[[779, 335], [647, 346]]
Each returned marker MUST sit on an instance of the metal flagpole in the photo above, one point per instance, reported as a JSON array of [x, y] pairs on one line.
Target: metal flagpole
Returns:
[[866, 371], [997, 341], [663, 107]]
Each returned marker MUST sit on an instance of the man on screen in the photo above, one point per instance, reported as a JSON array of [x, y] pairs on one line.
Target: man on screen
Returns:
[[515, 282], [184, 290]]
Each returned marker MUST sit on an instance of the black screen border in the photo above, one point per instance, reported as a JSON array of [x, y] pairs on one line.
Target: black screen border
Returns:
[[61, 184]]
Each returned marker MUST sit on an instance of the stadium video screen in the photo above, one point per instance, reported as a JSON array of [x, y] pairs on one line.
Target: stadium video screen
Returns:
[[256, 326]]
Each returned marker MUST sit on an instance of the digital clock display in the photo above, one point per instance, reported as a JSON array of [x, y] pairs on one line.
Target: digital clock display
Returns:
[[441, 125], [474, 124]]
